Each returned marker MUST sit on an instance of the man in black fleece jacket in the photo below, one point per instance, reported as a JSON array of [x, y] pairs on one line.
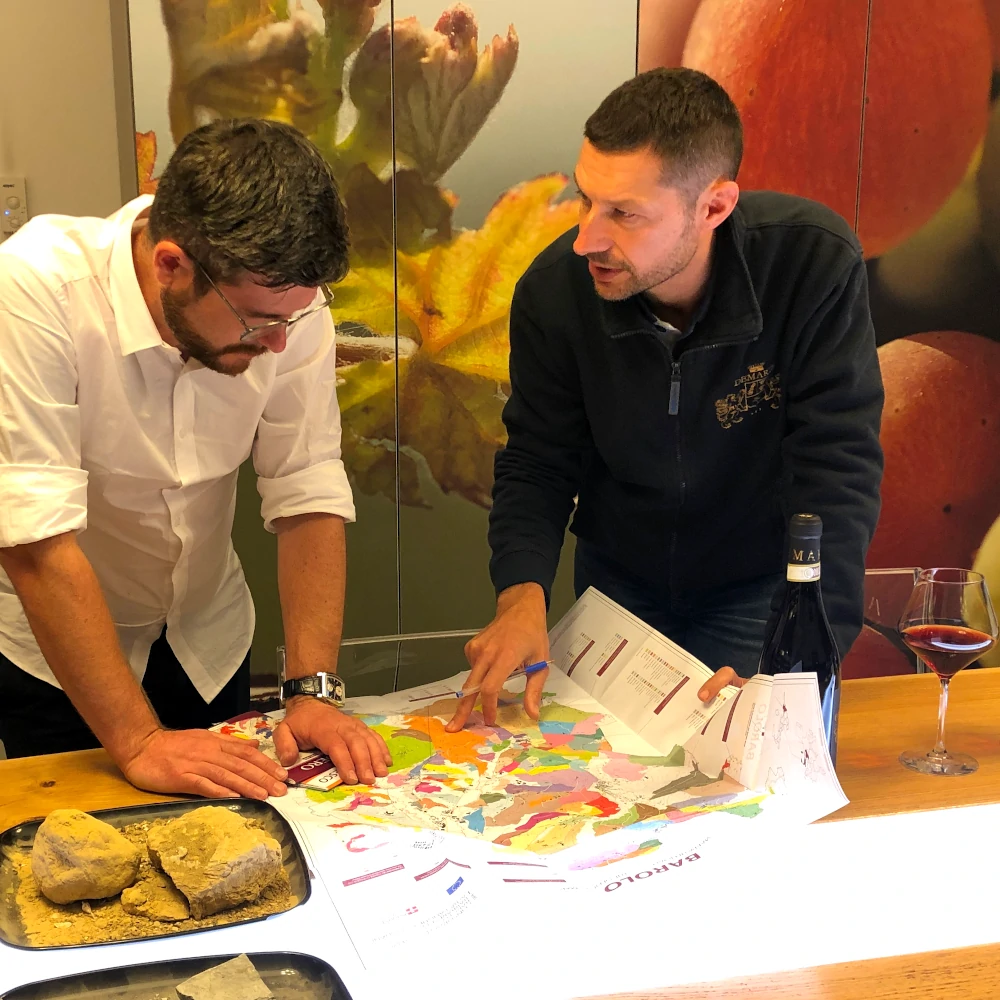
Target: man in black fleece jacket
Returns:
[[690, 367]]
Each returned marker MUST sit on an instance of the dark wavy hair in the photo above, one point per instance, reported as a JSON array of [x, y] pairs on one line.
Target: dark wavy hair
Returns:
[[683, 116], [253, 196]]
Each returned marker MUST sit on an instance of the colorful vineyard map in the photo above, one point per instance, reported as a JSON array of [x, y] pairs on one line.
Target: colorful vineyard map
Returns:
[[537, 786]]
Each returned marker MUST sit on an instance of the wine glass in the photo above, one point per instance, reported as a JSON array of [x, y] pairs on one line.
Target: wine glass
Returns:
[[948, 622]]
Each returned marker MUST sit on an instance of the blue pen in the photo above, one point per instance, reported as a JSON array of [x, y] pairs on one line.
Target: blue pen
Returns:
[[531, 668]]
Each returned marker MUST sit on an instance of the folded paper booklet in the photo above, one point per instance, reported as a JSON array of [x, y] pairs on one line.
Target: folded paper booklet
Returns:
[[312, 769], [766, 735], [771, 737]]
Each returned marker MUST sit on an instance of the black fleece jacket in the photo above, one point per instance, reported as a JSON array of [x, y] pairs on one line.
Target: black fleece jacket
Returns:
[[687, 459]]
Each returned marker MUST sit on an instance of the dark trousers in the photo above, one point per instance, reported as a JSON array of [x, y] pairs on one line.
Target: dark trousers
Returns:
[[723, 627], [37, 718]]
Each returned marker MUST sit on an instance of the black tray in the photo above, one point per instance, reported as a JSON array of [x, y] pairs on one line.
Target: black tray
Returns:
[[288, 975], [22, 836]]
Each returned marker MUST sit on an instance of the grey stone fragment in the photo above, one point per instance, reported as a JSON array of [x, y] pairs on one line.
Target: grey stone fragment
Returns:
[[76, 856], [214, 858], [236, 979]]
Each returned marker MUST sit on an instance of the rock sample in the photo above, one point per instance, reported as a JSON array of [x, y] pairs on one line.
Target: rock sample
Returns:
[[76, 856], [155, 897], [236, 979], [215, 858]]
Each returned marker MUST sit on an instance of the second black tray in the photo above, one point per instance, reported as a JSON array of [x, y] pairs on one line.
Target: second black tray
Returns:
[[288, 975]]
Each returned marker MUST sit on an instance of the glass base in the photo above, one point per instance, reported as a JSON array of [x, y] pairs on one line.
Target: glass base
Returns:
[[938, 763]]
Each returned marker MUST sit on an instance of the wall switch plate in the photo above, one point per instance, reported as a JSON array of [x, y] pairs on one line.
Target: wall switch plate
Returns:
[[13, 205]]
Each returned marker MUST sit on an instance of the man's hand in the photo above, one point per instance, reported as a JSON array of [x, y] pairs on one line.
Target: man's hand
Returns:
[[517, 636], [355, 750], [197, 762], [720, 679]]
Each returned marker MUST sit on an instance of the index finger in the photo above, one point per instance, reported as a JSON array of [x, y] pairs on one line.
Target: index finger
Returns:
[[250, 771], [462, 713], [493, 684], [243, 750], [465, 705]]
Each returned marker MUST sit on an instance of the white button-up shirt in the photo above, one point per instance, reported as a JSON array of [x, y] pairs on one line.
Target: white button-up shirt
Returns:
[[105, 430]]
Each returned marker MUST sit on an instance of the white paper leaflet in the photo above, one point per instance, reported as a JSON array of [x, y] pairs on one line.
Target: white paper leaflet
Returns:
[[650, 683]]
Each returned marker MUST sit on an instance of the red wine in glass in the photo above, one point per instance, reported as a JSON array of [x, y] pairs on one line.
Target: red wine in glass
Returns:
[[948, 622], [946, 649]]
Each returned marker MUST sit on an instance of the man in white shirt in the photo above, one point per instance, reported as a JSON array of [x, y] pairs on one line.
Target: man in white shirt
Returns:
[[142, 359]]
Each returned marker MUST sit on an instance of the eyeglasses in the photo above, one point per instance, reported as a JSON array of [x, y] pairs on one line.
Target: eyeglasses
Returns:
[[256, 332]]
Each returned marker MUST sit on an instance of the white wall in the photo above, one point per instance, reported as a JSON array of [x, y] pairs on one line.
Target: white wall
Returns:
[[60, 104]]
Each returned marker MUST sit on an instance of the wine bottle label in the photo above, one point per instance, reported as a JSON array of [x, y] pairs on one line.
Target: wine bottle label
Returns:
[[802, 572]]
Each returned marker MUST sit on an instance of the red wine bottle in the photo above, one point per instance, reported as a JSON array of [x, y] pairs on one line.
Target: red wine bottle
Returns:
[[800, 639]]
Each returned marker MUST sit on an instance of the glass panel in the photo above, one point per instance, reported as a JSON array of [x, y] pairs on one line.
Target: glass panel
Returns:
[[485, 198], [198, 61], [929, 208]]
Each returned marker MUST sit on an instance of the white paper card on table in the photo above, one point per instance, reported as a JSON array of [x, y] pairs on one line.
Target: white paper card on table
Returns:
[[732, 739], [794, 759], [772, 737], [401, 889], [650, 683]]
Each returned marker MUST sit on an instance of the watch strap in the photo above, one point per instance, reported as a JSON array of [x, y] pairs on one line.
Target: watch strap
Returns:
[[325, 686]]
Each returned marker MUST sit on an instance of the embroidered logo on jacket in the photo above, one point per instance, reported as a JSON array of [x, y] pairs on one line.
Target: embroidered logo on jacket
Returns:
[[753, 390]]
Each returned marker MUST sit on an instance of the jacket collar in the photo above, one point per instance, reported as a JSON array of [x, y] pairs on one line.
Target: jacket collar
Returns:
[[730, 314]]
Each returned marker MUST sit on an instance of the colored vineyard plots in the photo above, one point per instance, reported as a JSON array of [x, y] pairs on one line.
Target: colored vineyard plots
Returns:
[[638, 675], [622, 755], [771, 737], [540, 786]]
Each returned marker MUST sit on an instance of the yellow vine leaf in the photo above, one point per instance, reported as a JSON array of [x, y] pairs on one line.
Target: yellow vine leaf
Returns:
[[240, 58], [453, 379], [145, 158]]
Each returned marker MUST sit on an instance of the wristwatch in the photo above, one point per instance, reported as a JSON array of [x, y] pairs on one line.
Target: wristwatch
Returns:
[[323, 686]]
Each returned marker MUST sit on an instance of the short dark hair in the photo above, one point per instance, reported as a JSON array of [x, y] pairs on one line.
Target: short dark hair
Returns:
[[255, 196], [683, 116]]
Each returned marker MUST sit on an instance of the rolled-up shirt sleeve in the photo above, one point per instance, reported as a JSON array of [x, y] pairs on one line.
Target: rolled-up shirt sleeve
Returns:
[[43, 489], [297, 448]]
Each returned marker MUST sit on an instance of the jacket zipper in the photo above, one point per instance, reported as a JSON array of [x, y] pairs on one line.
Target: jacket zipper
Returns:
[[673, 409], [674, 404]]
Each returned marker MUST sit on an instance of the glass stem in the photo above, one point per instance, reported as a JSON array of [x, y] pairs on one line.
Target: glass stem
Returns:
[[939, 749]]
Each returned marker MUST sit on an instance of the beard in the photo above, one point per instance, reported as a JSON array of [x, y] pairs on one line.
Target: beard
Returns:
[[194, 345], [629, 281]]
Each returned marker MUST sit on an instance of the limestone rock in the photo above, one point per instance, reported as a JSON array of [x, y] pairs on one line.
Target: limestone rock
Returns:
[[214, 858], [155, 897], [236, 979], [76, 856]]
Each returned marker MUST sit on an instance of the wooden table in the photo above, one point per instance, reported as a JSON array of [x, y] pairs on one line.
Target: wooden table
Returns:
[[879, 718]]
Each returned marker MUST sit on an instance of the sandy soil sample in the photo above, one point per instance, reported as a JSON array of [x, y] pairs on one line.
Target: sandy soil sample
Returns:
[[236, 979], [155, 897], [48, 924], [76, 856], [215, 858]]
